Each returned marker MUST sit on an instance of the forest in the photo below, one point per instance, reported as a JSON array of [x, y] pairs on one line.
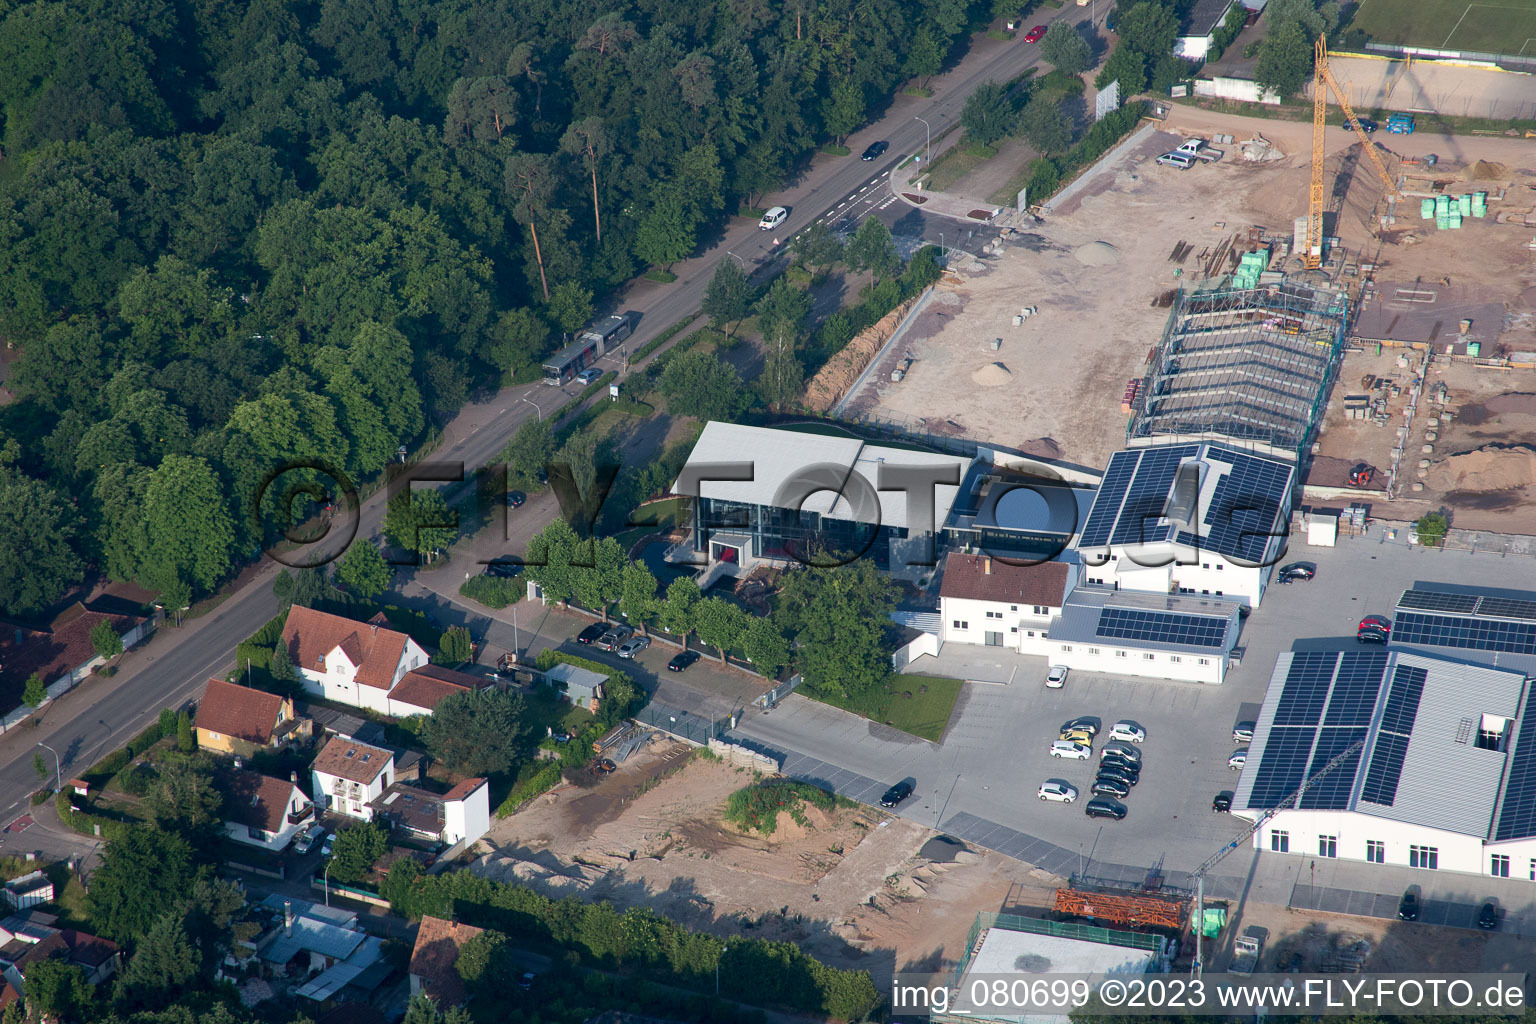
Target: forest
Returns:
[[239, 236]]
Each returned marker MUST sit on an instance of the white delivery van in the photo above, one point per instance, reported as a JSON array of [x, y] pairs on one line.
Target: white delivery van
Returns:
[[773, 218]]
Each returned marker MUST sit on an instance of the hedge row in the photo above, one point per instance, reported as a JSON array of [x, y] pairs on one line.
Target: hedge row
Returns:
[[493, 591], [1048, 174], [662, 338]]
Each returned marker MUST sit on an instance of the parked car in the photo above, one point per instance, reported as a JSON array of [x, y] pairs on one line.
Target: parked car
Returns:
[[1106, 785], [1070, 750], [1104, 807], [588, 375], [1086, 723], [1488, 917], [615, 636], [1034, 35], [875, 150], [1297, 571], [526, 981], [1120, 773], [1238, 759], [515, 499], [896, 794], [503, 570], [1372, 636], [1380, 622], [1077, 736], [1056, 678], [1408, 906], [1222, 801], [1367, 125], [330, 840], [1125, 750], [682, 660], [1130, 769], [307, 838], [1128, 732], [591, 634], [1058, 790], [1180, 160], [1242, 732], [633, 646]]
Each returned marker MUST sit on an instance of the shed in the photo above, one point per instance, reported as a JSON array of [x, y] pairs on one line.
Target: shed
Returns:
[[1322, 529], [582, 686]]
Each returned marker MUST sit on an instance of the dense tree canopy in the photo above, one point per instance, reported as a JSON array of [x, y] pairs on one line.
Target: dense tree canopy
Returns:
[[250, 238]]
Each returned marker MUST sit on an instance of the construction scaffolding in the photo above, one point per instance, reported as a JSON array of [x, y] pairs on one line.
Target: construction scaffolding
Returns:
[[1250, 366], [1127, 909]]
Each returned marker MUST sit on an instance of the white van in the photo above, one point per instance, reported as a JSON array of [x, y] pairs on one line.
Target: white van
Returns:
[[1182, 161], [773, 218]]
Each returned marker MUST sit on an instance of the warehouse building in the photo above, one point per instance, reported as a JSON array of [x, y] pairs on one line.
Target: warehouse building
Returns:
[[1438, 769], [1153, 636]]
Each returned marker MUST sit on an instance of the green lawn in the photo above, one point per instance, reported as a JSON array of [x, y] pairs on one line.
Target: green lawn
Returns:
[[923, 714], [956, 164], [1508, 26]]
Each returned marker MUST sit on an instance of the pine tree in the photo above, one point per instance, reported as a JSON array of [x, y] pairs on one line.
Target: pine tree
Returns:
[[186, 739]]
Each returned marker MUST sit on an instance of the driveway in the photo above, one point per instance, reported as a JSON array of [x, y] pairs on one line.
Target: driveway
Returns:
[[980, 782]]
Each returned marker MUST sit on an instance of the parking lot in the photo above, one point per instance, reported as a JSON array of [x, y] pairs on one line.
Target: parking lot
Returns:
[[982, 780]]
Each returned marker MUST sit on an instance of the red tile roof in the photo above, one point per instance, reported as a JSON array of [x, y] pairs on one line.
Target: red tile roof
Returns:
[[374, 649], [463, 789], [424, 687], [78, 947], [351, 760], [983, 578], [258, 801], [62, 647], [238, 711], [434, 956]]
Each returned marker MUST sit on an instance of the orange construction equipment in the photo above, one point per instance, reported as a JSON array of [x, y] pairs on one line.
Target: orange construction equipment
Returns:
[[1123, 908]]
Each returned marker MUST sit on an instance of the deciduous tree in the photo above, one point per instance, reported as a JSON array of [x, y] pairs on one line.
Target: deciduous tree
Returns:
[[456, 647], [988, 114], [817, 249], [702, 385], [37, 531], [105, 640], [728, 299], [356, 850], [479, 732], [638, 598], [1045, 126], [719, 623], [1065, 47], [364, 570], [873, 249], [677, 613], [34, 693]]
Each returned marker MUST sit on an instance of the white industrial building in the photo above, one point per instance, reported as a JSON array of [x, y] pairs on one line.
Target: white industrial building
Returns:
[[1445, 776], [997, 603], [1155, 636], [1199, 518]]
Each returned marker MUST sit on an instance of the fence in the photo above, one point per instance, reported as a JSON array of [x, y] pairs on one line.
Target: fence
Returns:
[[685, 725], [1396, 50], [987, 920]]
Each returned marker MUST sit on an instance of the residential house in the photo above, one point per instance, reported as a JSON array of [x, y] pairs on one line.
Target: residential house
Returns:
[[264, 812], [348, 775], [347, 661], [420, 690], [324, 941], [1194, 43], [98, 958], [581, 686], [29, 890], [462, 815], [993, 602], [433, 959], [238, 720], [61, 653]]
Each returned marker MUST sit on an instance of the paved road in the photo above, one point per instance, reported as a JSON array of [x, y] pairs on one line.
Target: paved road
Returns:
[[980, 782], [103, 714]]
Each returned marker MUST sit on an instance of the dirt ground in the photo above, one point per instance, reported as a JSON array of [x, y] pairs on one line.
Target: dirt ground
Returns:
[[851, 887]]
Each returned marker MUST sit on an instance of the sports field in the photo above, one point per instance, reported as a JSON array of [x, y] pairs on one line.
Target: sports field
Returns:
[[1505, 26]]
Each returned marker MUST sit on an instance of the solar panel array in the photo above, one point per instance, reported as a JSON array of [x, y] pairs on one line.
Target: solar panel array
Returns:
[[1109, 497], [1479, 605], [1386, 767], [1507, 636], [1244, 508], [1435, 601], [1162, 627], [1517, 809], [1325, 706], [1132, 494]]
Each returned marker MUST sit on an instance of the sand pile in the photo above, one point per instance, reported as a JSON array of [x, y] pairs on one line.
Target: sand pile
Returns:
[[993, 375], [1097, 254], [1487, 469], [1487, 170], [1042, 448]]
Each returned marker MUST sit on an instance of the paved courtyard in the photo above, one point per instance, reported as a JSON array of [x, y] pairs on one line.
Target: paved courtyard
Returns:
[[980, 782]]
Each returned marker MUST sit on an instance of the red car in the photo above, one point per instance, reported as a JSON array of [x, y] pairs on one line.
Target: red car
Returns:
[[1375, 622], [1035, 34]]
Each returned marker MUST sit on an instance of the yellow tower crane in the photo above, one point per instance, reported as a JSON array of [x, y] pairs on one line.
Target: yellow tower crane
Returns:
[[1323, 80]]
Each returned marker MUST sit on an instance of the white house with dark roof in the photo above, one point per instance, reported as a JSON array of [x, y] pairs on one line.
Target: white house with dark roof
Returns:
[[1001, 603], [347, 775], [1445, 778], [1201, 519], [262, 811]]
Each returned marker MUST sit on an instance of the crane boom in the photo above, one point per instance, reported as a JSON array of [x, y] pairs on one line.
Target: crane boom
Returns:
[[1259, 822], [1322, 80]]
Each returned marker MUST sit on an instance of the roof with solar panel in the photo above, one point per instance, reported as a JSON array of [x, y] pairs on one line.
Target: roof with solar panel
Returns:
[[1490, 626], [1207, 497], [1159, 622], [1438, 737]]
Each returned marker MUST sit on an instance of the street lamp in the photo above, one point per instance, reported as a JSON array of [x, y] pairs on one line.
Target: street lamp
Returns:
[[738, 259], [58, 775], [326, 881], [929, 147], [945, 807], [536, 409]]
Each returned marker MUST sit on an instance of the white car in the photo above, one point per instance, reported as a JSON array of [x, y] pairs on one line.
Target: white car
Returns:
[[330, 840], [1057, 678], [1238, 759], [1130, 732], [1057, 790], [1075, 751]]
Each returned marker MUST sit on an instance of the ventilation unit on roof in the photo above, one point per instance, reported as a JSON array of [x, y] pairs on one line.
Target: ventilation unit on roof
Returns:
[[1183, 507]]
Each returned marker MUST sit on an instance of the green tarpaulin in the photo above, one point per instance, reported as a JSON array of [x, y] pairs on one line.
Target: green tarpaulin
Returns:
[[1215, 919]]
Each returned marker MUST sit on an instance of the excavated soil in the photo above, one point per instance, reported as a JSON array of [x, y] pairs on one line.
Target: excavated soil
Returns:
[[1487, 469]]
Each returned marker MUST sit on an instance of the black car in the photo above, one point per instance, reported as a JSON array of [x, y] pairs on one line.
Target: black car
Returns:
[[515, 499], [1122, 764], [1408, 907], [1107, 785], [591, 633], [896, 794], [682, 660], [1087, 723], [1366, 125], [1295, 571], [1104, 807], [1372, 636], [1488, 917], [1120, 773], [503, 570], [1222, 801], [875, 149]]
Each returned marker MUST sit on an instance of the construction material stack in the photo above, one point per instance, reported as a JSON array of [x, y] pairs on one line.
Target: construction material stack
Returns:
[[1127, 909]]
